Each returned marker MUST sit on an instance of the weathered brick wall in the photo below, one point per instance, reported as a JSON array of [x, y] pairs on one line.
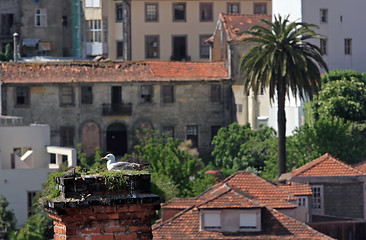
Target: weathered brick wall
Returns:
[[131, 221], [343, 200]]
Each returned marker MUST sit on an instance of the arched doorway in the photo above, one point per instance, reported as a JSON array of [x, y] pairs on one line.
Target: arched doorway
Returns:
[[117, 139], [90, 137]]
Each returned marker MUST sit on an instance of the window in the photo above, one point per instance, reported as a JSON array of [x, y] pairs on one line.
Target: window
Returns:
[[214, 131], [204, 46], [86, 95], [119, 49], [348, 46], [323, 15], [215, 93], [169, 131], [233, 8], [323, 46], [212, 220], [152, 46], [192, 135], [317, 198], [302, 201], [248, 220], [206, 13], [119, 12], [239, 107], [7, 21], [92, 3], [52, 158], [30, 200], [94, 31], [22, 97], [151, 12], [66, 136], [40, 18], [146, 94], [67, 96], [260, 8], [179, 11], [168, 94]]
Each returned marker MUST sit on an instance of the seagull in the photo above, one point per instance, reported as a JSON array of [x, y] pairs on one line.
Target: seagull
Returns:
[[116, 166]]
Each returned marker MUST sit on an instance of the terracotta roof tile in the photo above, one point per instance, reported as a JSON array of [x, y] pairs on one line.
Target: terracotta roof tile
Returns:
[[296, 189], [361, 166], [323, 166], [235, 24], [66, 72], [182, 203]]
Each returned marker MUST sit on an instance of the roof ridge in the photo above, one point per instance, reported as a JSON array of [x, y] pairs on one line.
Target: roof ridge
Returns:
[[346, 165], [311, 164]]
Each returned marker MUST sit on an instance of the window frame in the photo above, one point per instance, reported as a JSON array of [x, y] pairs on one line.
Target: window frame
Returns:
[[156, 18], [323, 46], [94, 30], [40, 18], [169, 130], [167, 95], [202, 11], [192, 133], [30, 197], [157, 39], [150, 89], [70, 95], [319, 200], [119, 51], [229, 6], [119, 11], [302, 201], [323, 15], [257, 4], [348, 46], [205, 213], [86, 94], [26, 96], [92, 3], [215, 93], [67, 136], [174, 4], [257, 213], [204, 45]]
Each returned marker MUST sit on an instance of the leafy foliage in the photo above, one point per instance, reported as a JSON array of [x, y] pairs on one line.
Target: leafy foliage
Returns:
[[239, 147], [167, 157], [7, 55], [281, 61], [7, 219]]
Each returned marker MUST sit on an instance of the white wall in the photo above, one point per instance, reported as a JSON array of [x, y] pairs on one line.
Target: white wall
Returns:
[[287, 7]]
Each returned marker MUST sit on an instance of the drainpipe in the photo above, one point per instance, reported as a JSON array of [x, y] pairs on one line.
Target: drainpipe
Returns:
[[15, 39]]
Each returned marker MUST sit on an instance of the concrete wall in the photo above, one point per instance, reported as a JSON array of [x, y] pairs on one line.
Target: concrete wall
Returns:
[[166, 28], [55, 32], [192, 106]]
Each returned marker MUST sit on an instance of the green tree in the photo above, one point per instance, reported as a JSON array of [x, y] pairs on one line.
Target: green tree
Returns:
[[282, 60], [7, 55], [167, 157], [239, 147], [7, 219]]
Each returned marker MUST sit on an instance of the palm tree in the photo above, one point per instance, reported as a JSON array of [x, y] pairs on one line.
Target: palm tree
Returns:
[[282, 61]]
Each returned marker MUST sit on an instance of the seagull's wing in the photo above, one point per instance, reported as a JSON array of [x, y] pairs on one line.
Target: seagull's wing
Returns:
[[117, 165]]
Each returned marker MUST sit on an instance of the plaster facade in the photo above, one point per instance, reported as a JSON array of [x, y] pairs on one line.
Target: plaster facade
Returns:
[[9, 22]]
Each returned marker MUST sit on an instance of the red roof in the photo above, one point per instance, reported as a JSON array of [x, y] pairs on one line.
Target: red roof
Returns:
[[361, 166], [324, 166], [274, 225], [235, 24], [62, 72], [297, 189]]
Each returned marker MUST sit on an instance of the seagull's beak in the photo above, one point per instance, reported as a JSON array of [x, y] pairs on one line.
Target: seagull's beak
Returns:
[[103, 158]]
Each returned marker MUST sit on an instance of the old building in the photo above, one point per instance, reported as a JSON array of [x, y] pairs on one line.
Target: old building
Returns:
[[45, 28], [9, 22], [26, 158], [102, 104], [338, 189], [170, 30], [243, 206]]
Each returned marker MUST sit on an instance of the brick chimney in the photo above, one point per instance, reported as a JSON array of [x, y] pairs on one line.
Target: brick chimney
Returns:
[[89, 208]]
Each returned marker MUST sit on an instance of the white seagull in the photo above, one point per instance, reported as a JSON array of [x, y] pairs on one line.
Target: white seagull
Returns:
[[113, 165]]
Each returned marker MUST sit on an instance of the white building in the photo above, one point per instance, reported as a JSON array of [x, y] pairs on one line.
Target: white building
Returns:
[[338, 21], [25, 161]]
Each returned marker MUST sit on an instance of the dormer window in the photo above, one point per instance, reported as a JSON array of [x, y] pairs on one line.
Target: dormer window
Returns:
[[231, 220]]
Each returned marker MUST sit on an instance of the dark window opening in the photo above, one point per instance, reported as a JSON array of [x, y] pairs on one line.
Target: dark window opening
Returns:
[[233, 8], [146, 94], [168, 94], [87, 95], [152, 46], [119, 12], [67, 136], [168, 131], [151, 12], [179, 11], [22, 96], [119, 49], [206, 11], [180, 48], [260, 8], [215, 93], [67, 96], [7, 21], [192, 135], [204, 46]]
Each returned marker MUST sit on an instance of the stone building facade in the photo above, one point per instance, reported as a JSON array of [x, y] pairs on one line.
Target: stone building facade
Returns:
[[102, 104], [9, 22]]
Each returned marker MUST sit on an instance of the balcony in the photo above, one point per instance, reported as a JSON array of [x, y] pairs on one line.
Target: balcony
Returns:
[[124, 109]]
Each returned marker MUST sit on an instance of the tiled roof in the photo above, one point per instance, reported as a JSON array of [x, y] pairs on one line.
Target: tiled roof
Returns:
[[361, 166], [274, 225], [235, 24], [297, 189], [182, 203], [255, 186], [324, 166], [67, 72]]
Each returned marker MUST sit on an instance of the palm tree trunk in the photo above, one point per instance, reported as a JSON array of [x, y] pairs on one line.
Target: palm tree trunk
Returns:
[[281, 121]]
